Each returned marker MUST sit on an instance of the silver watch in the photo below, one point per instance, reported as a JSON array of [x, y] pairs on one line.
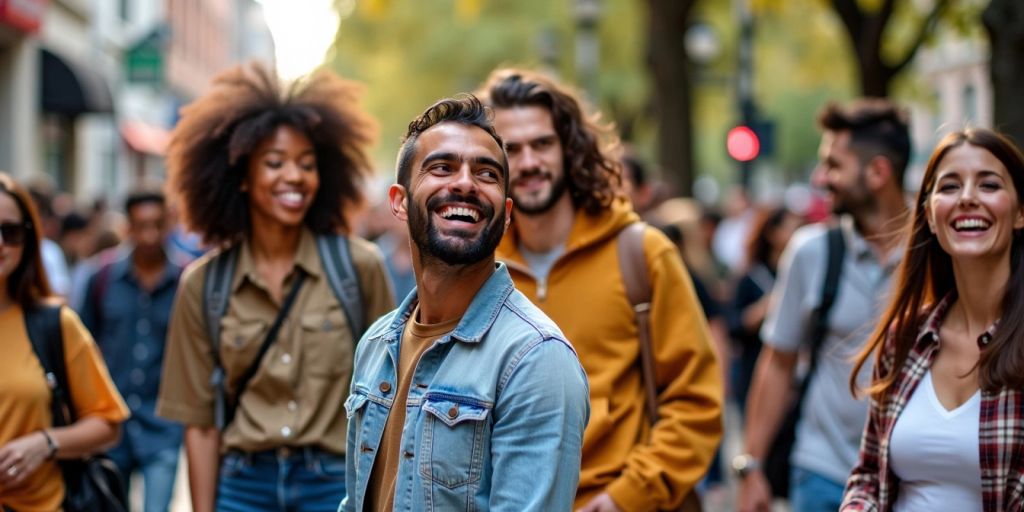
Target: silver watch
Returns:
[[744, 464]]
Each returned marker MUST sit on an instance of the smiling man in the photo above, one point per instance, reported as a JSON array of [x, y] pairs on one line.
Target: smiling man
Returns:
[[562, 251], [466, 397]]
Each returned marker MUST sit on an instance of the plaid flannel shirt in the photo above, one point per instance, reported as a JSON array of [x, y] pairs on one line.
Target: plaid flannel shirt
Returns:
[[873, 486]]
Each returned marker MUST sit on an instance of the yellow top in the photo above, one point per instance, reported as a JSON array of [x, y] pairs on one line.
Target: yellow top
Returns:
[[642, 468], [25, 399]]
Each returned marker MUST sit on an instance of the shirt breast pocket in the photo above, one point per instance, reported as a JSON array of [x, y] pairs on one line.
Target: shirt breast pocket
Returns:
[[240, 341], [327, 343], [455, 434]]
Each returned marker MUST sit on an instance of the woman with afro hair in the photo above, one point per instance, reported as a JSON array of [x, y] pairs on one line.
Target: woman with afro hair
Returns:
[[265, 173]]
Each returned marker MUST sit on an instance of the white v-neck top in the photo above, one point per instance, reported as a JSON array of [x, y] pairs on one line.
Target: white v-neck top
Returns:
[[934, 452]]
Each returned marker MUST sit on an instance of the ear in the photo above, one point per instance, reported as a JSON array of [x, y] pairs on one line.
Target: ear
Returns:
[[879, 172], [1018, 221], [508, 212], [397, 201]]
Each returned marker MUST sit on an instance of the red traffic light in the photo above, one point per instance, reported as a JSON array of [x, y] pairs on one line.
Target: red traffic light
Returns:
[[742, 144]]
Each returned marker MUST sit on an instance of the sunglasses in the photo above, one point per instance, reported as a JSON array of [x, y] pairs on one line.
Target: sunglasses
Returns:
[[13, 233]]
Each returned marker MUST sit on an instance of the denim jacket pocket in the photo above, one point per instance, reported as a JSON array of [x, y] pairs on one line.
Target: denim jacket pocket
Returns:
[[454, 437]]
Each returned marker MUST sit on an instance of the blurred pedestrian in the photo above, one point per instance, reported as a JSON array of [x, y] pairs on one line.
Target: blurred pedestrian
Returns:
[[466, 397], [947, 393], [863, 155], [562, 252], [54, 260], [127, 305], [30, 444], [771, 230], [266, 173]]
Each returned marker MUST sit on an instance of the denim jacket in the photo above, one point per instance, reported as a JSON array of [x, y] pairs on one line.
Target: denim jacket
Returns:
[[495, 415]]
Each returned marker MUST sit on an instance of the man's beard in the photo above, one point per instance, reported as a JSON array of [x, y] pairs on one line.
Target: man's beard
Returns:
[[558, 188], [854, 199], [460, 251]]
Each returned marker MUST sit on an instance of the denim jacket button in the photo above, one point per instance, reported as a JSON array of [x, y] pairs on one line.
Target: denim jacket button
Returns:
[[453, 412], [385, 387]]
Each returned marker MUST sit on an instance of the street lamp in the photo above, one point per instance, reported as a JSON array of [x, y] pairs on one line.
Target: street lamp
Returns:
[[587, 13]]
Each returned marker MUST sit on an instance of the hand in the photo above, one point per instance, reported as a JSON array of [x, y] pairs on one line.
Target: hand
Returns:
[[21, 457], [601, 503], [755, 493]]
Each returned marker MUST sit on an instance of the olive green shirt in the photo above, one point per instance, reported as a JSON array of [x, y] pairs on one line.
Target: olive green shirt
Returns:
[[296, 396]]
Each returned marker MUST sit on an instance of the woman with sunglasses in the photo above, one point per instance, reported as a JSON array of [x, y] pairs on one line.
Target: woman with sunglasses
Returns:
[[30, 478], [264, 172], [946, 422]]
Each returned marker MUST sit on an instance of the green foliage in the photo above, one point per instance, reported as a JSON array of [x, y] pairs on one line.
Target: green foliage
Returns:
[[411, 53]]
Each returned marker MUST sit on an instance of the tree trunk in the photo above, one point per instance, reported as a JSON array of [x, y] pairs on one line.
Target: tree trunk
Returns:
[[672, 96], [1004, 21]]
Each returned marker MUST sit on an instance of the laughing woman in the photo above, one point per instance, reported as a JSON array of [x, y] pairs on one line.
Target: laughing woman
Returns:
[[267, 174], [946, 423], [30, 479]]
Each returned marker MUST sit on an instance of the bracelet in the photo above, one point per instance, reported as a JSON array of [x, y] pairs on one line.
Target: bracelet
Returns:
[[51, 443]]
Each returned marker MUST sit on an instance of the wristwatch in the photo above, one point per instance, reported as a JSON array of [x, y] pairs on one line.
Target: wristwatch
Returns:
[[744, 464]]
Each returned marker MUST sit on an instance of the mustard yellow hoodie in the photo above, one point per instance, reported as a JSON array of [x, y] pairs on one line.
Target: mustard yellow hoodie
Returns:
[[641, 468]]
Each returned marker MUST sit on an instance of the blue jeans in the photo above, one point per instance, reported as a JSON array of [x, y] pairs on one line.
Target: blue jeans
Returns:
[[812, 492], [281, 480], [158, 473]]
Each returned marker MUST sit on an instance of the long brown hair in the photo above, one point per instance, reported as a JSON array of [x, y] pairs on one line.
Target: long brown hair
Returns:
[[28, 284], [590, 149], [208, 157], [926, 276]]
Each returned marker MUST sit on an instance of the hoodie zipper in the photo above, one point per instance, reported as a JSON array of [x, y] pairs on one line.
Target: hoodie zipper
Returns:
[[542, 289], [542, 284]]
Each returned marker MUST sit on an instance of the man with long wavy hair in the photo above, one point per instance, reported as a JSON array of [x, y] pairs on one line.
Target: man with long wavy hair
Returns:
[[562, 253]]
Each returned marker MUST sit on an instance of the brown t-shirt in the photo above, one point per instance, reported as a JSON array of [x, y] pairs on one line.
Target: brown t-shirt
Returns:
[[416, 339], [296, 396]]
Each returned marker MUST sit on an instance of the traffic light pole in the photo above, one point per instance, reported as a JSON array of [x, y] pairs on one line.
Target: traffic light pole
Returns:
[[745, 80]]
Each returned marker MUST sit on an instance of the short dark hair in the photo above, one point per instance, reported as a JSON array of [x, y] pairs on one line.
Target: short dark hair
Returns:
[[73, 222], [590, 149], [208, 157], [28, 284], [464, 109], [877, 127], [142, 197]]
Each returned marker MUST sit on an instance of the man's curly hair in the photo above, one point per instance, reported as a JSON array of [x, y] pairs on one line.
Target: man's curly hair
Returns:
[[208, 157], [590, 149]]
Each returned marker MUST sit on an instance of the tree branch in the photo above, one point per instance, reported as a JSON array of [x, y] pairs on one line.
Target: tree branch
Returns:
[[926, 28], [852, 17]]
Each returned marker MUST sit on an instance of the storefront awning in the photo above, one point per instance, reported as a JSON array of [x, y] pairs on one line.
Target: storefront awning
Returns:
[[71, 88], [24, 15], [145, 138]]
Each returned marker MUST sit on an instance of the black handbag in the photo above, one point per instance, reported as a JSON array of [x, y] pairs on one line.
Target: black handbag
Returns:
[[94, 483]]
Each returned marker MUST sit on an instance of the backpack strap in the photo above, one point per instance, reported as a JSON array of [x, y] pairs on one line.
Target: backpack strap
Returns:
[[836, 253], [633, 267], [216, 294], [336, 259], [829, 288], [42, 322]]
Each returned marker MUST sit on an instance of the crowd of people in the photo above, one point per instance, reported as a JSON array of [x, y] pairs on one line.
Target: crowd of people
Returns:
[[534, 329]]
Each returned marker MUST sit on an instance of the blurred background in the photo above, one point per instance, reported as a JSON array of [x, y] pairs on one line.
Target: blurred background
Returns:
[[716, 99], [89, 89]]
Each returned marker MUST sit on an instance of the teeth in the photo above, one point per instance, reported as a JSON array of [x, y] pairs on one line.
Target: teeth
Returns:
[[971, 224], [291, 196], [452, 211]]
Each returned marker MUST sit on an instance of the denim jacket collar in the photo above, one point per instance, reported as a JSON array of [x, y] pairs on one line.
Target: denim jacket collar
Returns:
[[476, 321], [121, 268]]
